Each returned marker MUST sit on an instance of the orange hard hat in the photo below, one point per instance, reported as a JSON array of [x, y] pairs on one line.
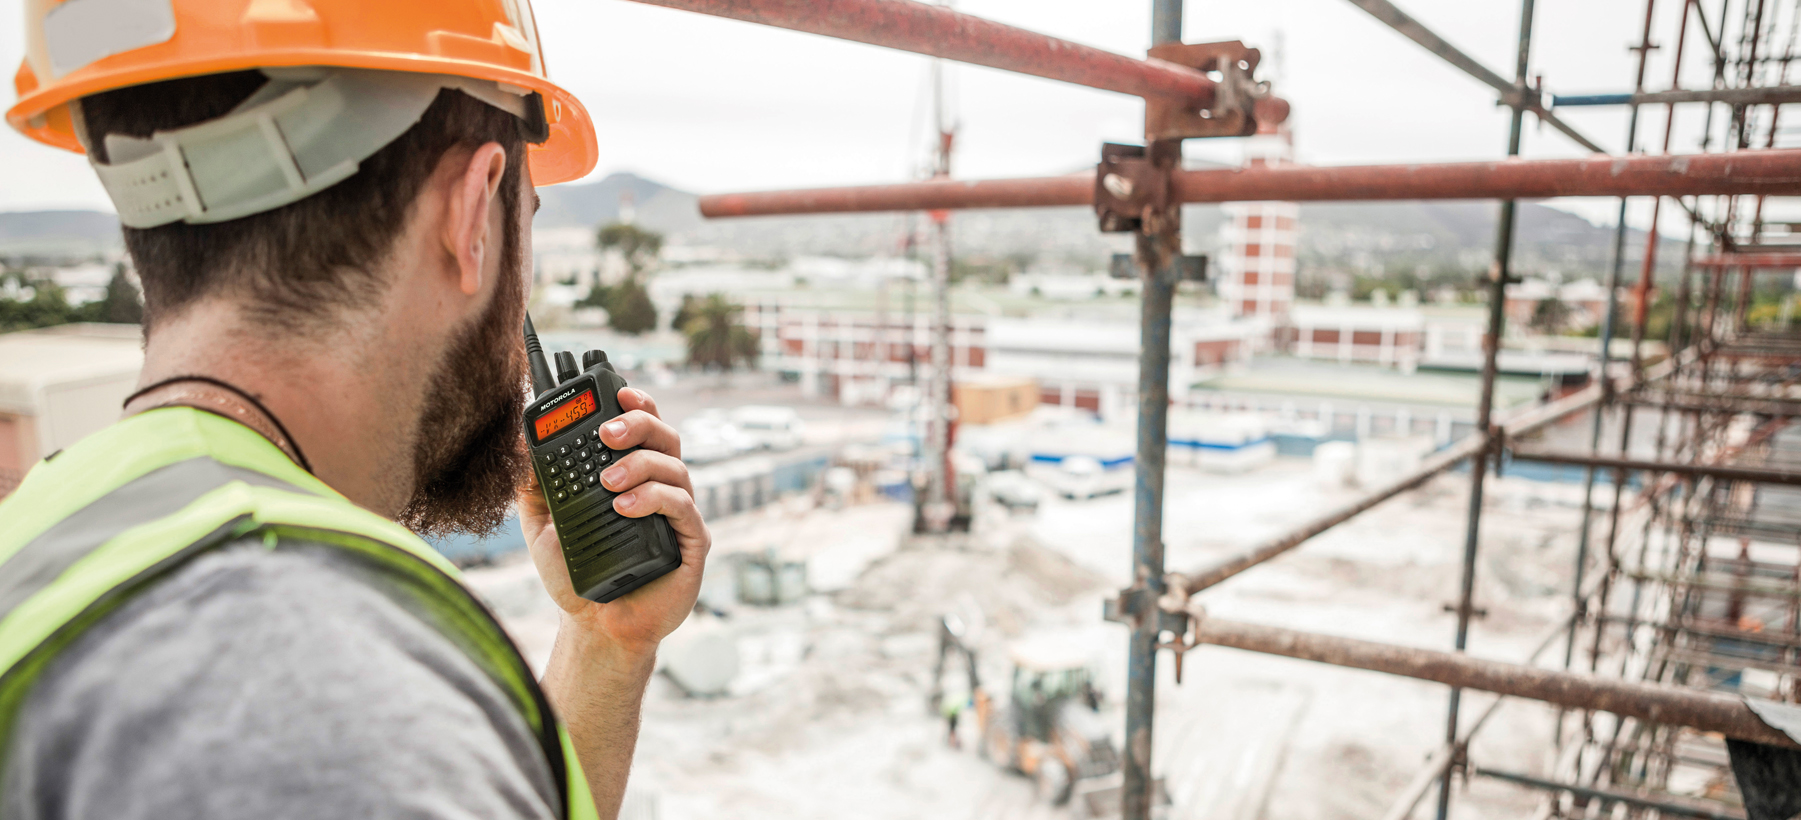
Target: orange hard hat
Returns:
[[75, 48]]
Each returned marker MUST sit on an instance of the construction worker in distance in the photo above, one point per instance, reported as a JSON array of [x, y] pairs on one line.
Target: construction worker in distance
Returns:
[[218, 606]]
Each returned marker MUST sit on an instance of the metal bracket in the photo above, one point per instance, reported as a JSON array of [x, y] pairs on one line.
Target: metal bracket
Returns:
[[1234, 98], [1127, 184], [1177, 614]]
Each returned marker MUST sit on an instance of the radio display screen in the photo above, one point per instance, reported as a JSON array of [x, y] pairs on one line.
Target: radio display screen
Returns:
[[565, 414]]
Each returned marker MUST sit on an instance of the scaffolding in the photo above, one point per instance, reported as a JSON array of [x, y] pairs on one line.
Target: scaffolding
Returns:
[[1684, 631]]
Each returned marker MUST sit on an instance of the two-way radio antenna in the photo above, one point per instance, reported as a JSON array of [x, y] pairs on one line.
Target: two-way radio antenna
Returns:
[[542, 381]]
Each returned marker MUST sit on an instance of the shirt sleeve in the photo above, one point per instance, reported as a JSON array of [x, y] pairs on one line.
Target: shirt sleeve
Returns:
[[284, 683]]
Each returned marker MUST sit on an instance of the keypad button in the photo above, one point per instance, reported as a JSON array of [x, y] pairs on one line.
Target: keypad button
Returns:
[[583, 454], [575, 487], [579, 441], [592, 480], [563, 450], [560, 495], [587, 466], [569, 464], [556, 483], [604, 457], [553, 470], [547, 459]]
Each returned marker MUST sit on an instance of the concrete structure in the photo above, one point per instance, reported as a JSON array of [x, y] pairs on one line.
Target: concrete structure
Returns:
[[858, 355], [59, 384], [1091, 363], [1258, 267], [1355, 334]]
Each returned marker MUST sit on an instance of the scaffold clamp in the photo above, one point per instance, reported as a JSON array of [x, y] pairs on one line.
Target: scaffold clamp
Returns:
[[1232, 113]]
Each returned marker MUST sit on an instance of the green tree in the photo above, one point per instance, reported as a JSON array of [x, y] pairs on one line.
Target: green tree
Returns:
[[122, 304], [1550, 317], [686, 312], [629, 309], [46, 306], [639, 246], [717, 337], [598, 296]]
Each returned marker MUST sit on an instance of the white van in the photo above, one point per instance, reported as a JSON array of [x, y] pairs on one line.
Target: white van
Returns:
[[771, 427]]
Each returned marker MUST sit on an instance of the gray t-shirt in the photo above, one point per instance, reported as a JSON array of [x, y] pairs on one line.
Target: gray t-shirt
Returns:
[[295, 682]]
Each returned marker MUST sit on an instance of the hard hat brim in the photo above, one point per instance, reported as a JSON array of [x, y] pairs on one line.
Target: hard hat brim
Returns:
[[570, 153]]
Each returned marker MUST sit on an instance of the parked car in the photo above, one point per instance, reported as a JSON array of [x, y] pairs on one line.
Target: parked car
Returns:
[[709, 436], [1013, 490], [770, 426]]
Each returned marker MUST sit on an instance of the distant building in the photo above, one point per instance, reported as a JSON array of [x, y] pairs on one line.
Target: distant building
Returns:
[[1258, 268], [1585, 299], [570, 255], [859, 355], [1390, 336], [59, 384], [1092, 364]]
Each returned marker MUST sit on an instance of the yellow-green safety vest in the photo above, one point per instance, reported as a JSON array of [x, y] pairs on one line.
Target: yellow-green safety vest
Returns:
[[124, 507]]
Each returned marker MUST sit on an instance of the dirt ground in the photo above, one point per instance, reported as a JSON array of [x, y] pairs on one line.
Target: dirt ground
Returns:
[[829, 715]]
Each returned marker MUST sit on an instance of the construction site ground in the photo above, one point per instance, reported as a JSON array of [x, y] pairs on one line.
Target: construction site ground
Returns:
[[829, 715]]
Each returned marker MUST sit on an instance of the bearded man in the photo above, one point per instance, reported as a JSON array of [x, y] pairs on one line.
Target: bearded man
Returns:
[[212, 608]]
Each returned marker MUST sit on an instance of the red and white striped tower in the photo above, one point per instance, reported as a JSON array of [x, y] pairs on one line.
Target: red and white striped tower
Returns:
[[1258, 269]]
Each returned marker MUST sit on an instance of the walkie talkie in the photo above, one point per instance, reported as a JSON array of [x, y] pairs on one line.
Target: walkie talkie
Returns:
[[608, 554]]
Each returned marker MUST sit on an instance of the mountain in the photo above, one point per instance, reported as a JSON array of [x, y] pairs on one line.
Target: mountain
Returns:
[[1371, 237], [57, 235]]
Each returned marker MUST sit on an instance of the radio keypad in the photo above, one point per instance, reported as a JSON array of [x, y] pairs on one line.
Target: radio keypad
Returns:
[[574, 468]]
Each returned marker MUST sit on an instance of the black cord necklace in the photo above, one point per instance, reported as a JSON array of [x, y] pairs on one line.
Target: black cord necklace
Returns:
[[299, 457]]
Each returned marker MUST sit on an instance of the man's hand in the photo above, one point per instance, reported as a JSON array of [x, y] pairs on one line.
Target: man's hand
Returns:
[[651, 480], [604, 653]]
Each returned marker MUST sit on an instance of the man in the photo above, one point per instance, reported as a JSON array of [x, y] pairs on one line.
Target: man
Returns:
[[207, 609]]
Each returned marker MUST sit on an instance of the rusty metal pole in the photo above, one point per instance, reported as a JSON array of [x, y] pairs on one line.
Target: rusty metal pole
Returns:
[[1775, 172], [939, 507], [1159, 242], [1497, 318]]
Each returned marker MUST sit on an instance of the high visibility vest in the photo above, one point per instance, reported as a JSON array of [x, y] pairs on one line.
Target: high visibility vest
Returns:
[[127, 506]]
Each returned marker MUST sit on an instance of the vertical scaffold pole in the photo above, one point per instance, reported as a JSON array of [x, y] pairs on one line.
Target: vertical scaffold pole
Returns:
[[1491, 344], [1158, 244]]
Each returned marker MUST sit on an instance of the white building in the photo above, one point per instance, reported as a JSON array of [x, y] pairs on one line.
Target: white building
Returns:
[[59, 384], [1389, 336], [1258, 267]]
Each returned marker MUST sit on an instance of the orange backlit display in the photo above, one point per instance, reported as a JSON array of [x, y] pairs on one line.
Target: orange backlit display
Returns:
[[564, 414]]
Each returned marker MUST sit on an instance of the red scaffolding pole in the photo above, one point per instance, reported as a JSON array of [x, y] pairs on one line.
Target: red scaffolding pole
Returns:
[[1775, 172], [940, 32], [1750, 260]]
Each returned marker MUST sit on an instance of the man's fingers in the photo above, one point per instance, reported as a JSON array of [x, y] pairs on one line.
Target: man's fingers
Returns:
[[674, 502], [638, 428], [646, 465], [631, 398]]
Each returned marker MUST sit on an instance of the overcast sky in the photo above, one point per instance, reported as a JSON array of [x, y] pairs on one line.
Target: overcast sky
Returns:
[[713, 105]]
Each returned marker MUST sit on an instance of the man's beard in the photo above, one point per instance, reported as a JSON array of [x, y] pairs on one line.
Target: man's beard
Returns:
[[469, 457]]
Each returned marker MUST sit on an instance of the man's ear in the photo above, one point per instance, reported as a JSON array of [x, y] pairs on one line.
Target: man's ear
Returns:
[[473, 192]]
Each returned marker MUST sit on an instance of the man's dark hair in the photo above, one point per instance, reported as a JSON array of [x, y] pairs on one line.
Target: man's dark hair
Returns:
[[295, 265]]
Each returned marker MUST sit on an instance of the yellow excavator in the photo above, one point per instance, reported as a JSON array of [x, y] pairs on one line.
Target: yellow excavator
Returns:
[[1049, 729]]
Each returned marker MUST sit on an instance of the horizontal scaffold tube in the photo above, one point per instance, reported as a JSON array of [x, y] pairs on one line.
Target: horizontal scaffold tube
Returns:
[[938, 31], [1723, 472], [1776, 172], [1668, 705], [1750, 260]]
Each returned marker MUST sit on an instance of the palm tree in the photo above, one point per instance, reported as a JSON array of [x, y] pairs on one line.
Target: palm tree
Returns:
[[717, 339]]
